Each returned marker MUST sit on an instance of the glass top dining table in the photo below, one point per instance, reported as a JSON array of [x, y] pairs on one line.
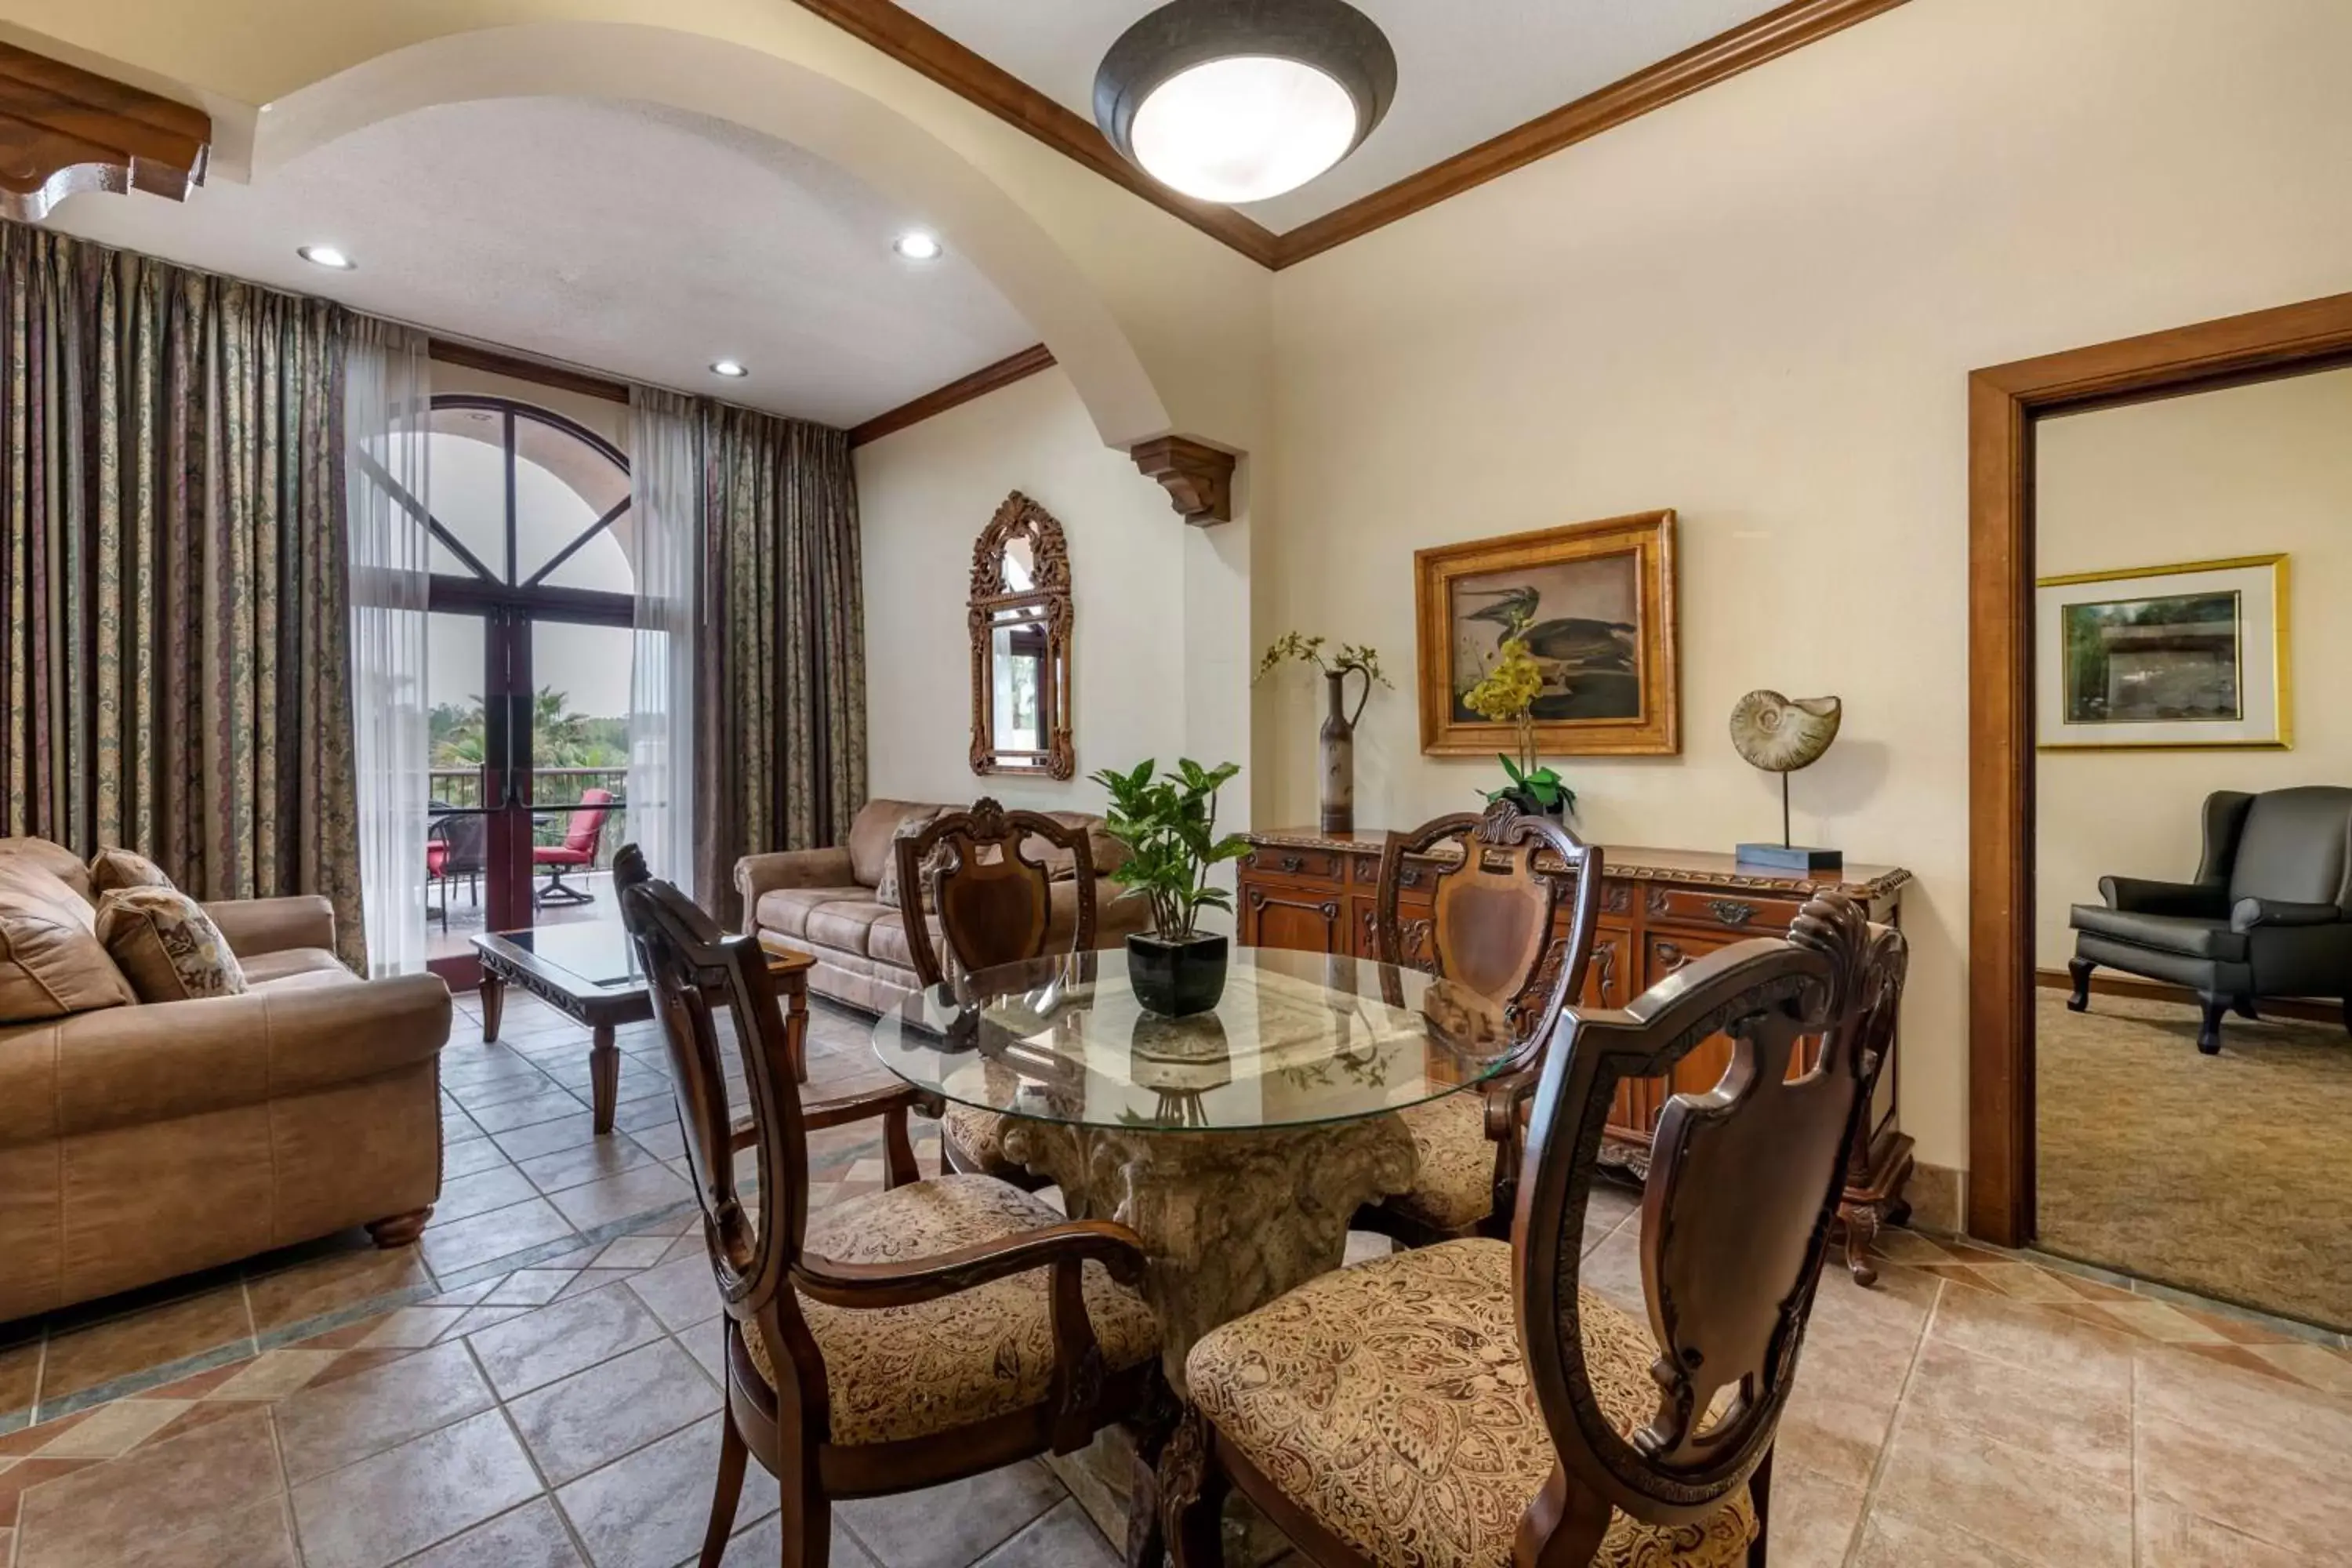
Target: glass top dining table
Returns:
[[1298, 1039]]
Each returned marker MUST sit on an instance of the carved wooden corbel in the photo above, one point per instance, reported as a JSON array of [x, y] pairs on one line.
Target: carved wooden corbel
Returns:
[[64, 130], [1199, 478]]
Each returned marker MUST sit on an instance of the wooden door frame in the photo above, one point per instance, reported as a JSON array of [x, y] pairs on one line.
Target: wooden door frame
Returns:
[[2003, 402]]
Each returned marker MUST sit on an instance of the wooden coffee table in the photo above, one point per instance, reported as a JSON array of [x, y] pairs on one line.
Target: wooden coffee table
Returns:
[[588, 971]]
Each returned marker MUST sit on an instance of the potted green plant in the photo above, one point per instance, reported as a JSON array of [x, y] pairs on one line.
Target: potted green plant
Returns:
[[1507, 694], [1168, 826]]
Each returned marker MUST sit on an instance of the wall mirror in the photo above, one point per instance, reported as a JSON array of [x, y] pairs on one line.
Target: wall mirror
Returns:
[[1020, 622]]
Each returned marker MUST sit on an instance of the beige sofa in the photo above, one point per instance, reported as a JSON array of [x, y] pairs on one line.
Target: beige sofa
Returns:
[[139, 1141], [824, 900]]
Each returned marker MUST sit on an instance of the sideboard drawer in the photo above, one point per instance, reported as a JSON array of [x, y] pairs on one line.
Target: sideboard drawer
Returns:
[[1304, 865], [1726, 910]]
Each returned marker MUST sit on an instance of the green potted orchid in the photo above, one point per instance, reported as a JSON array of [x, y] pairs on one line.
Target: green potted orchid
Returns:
[[1507, 694], [1168, 826]]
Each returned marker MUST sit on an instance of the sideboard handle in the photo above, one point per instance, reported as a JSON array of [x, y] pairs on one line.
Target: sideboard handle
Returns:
[[1731, 912], [1292, 862]]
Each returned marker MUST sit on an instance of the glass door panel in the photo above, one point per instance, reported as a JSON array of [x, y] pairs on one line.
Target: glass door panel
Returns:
[[579, 766]]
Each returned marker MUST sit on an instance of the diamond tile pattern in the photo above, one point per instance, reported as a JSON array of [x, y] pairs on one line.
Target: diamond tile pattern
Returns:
[[556, 1405]]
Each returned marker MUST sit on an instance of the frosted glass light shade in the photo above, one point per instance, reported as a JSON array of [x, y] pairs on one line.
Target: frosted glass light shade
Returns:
[[1244, 129], [1237, 101]]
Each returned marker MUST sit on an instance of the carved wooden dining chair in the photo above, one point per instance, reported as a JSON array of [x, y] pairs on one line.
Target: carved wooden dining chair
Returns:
[[1492, 927], [994, 905], [1474, 1404], [911, 1337]]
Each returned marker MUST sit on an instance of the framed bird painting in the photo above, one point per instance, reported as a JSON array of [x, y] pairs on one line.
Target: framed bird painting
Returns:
[[1593, 604]]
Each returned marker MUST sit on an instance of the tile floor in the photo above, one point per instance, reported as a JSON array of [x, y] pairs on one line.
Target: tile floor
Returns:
[[552, 1404]]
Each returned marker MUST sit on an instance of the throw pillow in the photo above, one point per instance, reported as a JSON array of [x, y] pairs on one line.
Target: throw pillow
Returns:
[[166, 945], [885, 892], [110, 869], [51, 962]]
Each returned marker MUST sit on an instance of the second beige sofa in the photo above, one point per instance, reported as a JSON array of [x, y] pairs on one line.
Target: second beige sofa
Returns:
[[824, 900]]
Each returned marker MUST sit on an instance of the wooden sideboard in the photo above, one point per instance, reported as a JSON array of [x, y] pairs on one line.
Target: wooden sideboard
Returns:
[[1660, 909]]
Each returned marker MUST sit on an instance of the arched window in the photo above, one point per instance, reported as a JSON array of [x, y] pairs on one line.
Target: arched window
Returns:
[[529, 653], [524, 498]]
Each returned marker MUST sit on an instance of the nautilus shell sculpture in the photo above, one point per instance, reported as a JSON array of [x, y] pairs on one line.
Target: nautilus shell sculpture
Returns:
[[1782, 734]]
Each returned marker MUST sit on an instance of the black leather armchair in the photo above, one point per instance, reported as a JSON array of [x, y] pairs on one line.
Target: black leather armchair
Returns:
[[2270, 913]]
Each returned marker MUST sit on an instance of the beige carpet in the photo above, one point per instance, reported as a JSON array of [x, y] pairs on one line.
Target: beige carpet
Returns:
[[2230, 1175]]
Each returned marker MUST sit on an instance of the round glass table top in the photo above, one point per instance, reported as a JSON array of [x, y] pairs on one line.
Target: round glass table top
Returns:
[[1298, 1038]]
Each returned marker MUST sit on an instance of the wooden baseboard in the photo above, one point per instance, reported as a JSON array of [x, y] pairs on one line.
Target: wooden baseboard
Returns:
[[2156, 991]]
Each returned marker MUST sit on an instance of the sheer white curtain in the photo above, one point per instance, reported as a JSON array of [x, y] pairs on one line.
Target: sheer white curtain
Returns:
[[665, 548], [387, 409]]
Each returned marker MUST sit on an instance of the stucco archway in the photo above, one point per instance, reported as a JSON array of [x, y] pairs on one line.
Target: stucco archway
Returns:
[[773, 96]]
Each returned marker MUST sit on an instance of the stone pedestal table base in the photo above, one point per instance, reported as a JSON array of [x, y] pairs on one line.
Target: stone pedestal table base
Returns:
[[1229, 1220]]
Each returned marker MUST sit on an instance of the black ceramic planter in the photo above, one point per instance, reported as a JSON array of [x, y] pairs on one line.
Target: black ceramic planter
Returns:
[[1176, 979]]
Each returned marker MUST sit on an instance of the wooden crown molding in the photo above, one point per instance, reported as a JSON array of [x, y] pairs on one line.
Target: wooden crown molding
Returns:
[[915, 43], [922, 47], [1199, 478], [979, 384], [1704, 63], [64, 130]]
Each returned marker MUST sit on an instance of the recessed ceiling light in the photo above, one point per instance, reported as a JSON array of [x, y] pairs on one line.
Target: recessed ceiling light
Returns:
[[918, 245], [728, 367], [326, 255], [1237, 100]]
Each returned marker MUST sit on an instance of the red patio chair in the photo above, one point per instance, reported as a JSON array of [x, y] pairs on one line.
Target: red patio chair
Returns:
[[578, 850]]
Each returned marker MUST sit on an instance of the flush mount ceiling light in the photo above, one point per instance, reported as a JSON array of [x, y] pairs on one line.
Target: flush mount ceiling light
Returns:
[[916, 244], [326, 255], [733, 368], [1237, 101]]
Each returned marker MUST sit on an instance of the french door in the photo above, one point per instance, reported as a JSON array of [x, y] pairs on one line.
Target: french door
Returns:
[[529, 647]]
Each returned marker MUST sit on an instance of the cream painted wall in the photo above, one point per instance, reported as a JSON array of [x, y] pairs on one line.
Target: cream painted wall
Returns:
[[1759, 306], [923, 496], [2247, 471]]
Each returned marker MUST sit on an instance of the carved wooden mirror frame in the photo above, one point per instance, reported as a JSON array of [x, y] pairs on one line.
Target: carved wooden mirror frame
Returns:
[[1048, 597]]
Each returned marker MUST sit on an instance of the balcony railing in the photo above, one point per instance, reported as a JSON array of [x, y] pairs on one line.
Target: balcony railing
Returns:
[[557, 791]]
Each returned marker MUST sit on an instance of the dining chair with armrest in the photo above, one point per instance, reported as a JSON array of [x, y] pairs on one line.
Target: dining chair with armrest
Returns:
[[923, 1333], [975, 876], [1493, 913], [1474, 1404]]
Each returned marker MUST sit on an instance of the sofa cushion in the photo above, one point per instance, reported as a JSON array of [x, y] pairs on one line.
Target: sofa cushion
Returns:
[[111, 868], [51, 961], [887, 939], [887, 892], [167, 946], [785, 911], [842, 925], [1106, 854], [56, 859], [2165, 933], [272, 969], [870, 835]]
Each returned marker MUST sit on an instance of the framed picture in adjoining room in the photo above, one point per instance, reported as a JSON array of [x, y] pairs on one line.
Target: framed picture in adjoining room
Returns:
[[2157, 658], [1594, 604]]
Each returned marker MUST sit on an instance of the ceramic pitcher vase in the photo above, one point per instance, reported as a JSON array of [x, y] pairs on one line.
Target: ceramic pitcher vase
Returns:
[[1339, 797]]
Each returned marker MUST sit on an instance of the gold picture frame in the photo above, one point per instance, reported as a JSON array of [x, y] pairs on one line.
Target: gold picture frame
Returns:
[[1612, 653], [2211, 665]]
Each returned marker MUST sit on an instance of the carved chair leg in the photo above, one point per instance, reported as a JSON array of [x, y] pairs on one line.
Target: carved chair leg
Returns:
[[1760, 1490], [1192, 1495], [2209, 1031], [729, 1492], [2080, 968], [1147, 1541], [400, 1230]]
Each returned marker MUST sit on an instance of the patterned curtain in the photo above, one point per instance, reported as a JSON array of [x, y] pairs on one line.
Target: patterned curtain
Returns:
[[172, 575], [780, 705]]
